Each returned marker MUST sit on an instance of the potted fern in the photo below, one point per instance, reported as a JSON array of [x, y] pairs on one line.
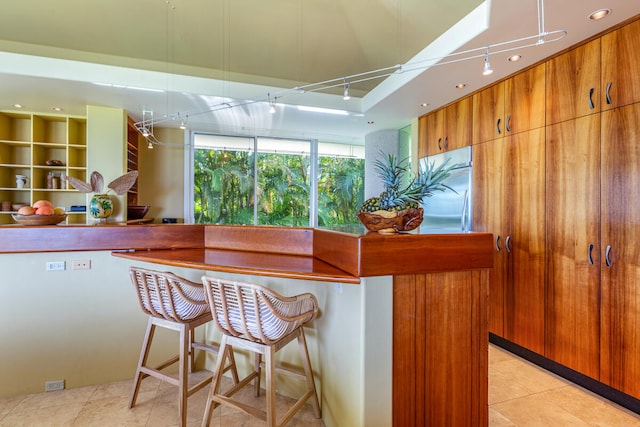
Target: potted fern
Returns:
[[397, 208]]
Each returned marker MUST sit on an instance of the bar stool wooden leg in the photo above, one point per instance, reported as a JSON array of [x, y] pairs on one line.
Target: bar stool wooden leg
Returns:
[[270, 367], [183, 372], [257, 364], [311, 385], [142, 361], [224, 352]]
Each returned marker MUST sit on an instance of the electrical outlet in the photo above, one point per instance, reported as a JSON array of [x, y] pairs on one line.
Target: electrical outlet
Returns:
[[81, 264], [54, 385], [55, 265]]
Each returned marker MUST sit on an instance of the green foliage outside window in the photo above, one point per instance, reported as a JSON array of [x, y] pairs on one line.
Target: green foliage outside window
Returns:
[[224, 188]]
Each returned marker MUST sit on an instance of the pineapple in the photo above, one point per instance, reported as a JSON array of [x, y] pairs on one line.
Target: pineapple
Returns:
[[398, 196]]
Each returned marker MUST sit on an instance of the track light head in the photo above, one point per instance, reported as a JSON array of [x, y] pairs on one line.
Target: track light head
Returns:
[[487, 67], [346, 96]]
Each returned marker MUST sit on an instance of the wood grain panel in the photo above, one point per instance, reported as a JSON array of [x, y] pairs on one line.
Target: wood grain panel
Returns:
[[620, 338], [96, 238], [525, 293], [524, 100], [458, 121], [283, 240], [422, 137], [573, 84], [414, 253], [620, 64], [435, 132], [573, 227], [490, 215], [446, 313], [488, 114], [339, 249]]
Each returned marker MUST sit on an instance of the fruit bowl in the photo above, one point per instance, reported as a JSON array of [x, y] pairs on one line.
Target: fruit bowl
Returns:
[[38, 219], [392, 222]]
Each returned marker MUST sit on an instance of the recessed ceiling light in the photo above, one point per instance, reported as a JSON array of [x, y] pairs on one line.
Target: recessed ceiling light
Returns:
[[17, 106], [424, 104], [58, 109], [514, 58], [599, 14], [370, 122], [461, 85]]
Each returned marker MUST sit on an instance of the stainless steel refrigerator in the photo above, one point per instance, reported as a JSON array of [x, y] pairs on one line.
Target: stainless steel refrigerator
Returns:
[[450, 211]]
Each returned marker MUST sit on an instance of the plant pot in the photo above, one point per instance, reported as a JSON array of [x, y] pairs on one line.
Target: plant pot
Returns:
[[100, 206], [393, 222]]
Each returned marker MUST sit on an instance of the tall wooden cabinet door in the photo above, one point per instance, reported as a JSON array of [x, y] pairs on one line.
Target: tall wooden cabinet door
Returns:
[[489, 167], [435, 132], [524, 100], [458, 123], [422, 137], [620, 65], [573, 244], [488, 114], [573, 84], [620, 343], [524, 301]]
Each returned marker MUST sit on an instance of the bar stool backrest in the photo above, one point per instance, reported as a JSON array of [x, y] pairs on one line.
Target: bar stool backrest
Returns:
[[165, 295], [256, 313]]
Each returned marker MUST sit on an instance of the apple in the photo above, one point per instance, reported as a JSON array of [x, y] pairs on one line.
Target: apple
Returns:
[[44, 210], [41, 203]]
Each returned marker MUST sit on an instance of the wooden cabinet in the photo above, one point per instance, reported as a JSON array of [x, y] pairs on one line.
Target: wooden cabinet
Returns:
[[508, 201], [573, 244], [620, 65], [620, 338], [490, 215], [524, 292], [27, 142], [573, 84], [446, 129], [512, 106]]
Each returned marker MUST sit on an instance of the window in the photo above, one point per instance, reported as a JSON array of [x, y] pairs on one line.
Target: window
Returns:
[[289, 182]]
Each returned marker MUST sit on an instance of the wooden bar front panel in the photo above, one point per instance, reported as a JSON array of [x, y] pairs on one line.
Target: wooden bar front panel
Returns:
[[440, 349]]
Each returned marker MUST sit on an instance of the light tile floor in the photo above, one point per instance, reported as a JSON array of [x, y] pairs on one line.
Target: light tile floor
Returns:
[[520, 394]]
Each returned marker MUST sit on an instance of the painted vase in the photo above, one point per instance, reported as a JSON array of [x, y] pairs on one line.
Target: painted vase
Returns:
[[100, 206]]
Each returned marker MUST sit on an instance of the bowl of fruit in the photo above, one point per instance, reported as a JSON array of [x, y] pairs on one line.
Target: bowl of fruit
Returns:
[[397, 208], [41, 212]]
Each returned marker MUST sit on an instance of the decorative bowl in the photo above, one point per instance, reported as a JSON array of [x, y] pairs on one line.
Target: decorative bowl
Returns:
[[404, 220], [38, 219], [137, 212]]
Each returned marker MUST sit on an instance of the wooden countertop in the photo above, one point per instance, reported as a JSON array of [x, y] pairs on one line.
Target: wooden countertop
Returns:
[[301, 253], [244, 262]]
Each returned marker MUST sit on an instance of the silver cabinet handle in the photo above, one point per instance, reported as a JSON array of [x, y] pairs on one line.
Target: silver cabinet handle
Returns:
[[507, 244], [591, 105], [508, 126], [439, 145], [589, 252], [498, 248], [498, 126], [607, 252], [446, 142], [607, 92]]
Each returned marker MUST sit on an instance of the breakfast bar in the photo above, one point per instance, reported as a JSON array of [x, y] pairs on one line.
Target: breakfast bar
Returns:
[[402, 336]]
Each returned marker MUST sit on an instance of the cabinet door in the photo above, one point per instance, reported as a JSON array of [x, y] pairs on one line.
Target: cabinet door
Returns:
[[422, 137], [620, 65], [620, 343], [488, 114], [573, 244], [524, 102], [458, 122], [524, 305], [435, 132], [573, 84], [489, 215]]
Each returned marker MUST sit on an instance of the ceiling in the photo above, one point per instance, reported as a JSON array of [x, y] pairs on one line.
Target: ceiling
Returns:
[[218, 63]]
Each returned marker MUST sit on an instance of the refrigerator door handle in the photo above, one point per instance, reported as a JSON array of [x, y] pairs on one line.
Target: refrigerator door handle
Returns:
[[464, 218]]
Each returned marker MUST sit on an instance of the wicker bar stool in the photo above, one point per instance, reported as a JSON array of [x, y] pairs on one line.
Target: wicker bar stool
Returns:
[[257, 319], [178, 304]]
